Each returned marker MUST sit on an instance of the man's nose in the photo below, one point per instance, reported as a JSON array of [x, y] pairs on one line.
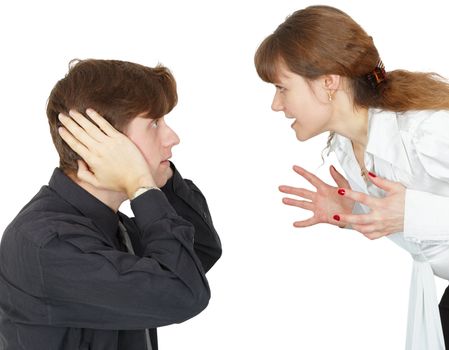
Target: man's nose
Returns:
[[171, 137]]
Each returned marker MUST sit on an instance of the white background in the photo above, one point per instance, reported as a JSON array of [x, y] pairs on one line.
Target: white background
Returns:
[[275, 287]]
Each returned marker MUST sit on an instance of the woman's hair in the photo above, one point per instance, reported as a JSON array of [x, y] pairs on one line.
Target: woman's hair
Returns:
[[117, 90], [320, 40]]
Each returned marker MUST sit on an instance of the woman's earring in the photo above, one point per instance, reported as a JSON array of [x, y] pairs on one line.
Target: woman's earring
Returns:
[[329, 94]]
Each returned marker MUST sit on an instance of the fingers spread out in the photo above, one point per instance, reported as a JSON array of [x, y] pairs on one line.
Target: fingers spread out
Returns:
[[368, 228], [314, 180], [358, 197], [339, 179], [300, 192], [306, 223], [356, 219], [384, 184], [296, 203]]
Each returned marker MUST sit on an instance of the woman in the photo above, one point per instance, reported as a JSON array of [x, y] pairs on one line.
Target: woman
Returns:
[[389, 133]]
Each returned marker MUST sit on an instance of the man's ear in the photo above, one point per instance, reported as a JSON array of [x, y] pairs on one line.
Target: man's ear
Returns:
[[331, 81]]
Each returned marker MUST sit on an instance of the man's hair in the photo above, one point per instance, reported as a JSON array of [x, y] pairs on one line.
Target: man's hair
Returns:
[[117, 90]]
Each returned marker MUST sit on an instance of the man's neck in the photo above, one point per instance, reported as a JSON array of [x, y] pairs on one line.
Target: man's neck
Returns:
[[110, 198]]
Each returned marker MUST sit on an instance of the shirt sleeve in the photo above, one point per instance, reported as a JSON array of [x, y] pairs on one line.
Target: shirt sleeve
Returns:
[[89, 284], [190, 204], [426, 214]]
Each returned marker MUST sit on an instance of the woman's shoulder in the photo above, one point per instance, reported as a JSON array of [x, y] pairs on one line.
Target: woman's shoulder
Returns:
[[426, 122], [417, 121]]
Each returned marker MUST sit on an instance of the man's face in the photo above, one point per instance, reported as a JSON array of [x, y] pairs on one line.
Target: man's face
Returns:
[[155, 139]]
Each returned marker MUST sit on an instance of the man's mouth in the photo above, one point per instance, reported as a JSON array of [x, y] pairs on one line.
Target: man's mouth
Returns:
[[166, 160]]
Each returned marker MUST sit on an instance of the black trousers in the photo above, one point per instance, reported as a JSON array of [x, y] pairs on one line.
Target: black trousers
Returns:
[[444, 314]]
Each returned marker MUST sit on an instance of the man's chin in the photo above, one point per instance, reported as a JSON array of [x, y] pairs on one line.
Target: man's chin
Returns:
[[161, 183], [162, 180], [162, 176]]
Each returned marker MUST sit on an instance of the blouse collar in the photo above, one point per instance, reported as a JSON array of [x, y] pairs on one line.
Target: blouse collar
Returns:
[[384, 140]]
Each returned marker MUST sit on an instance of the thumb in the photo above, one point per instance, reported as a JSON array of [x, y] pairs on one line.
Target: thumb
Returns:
[[339, 179], [84, 174]]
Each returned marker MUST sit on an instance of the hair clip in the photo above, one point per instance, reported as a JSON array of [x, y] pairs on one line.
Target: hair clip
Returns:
[[378, 75]]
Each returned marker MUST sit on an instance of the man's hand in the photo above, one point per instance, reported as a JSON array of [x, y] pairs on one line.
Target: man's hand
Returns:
[[113, 161], [324, 203]]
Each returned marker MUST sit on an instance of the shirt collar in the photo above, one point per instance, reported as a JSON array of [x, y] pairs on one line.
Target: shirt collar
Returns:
[[103, 217], [384, 140]]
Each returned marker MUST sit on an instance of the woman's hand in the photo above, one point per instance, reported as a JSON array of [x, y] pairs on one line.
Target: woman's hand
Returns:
[[113, 161], [325, 203], [387, 213]]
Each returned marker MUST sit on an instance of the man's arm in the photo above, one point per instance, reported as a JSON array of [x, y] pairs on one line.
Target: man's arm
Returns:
[[80, 280], [189, 203]]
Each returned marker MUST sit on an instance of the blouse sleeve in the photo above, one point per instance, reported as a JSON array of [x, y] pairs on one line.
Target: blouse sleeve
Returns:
[[427, 214]]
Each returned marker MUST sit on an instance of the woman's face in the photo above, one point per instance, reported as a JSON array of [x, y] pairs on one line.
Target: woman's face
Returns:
[[304, 101]]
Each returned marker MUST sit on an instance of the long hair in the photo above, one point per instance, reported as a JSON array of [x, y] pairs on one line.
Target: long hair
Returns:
[[320, 40]]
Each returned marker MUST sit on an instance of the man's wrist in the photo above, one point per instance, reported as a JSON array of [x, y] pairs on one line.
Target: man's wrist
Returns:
[[142, 190], [145, 181]]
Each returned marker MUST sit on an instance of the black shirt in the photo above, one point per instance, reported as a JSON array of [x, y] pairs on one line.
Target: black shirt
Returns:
[[67, 283]]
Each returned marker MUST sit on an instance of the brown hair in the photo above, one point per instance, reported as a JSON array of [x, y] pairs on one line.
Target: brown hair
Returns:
[[320, 40], [118, 90]]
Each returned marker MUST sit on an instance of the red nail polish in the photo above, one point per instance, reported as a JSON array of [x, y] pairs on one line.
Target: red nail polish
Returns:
[[371, 174], [341, 191], [337, 217]]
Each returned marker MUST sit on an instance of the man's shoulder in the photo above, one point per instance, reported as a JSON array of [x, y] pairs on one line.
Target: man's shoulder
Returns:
[[45, 216]]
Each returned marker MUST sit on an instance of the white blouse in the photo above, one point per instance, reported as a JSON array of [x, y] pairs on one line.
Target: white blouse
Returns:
[[411, 148]]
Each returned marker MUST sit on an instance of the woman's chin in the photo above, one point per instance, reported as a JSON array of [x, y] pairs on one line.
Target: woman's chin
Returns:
[[301, 136]]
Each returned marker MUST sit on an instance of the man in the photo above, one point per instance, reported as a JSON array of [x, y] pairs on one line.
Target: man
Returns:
[[75, 273]]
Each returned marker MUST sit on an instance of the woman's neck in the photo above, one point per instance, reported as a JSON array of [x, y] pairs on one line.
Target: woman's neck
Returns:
[[350, 121]]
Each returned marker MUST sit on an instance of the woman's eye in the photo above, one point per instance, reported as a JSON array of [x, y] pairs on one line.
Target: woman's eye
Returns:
[[154, 124], [280, 88]]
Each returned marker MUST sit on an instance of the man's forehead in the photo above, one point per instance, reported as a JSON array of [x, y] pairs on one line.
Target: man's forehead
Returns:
[[145, 115]]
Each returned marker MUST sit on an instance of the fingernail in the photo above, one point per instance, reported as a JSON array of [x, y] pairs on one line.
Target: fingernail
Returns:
[[341, 191], [60, 116], [337, 217], [371, 174]]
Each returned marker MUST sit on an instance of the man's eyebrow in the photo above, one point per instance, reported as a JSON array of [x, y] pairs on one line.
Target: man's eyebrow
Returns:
[[145, 115]]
